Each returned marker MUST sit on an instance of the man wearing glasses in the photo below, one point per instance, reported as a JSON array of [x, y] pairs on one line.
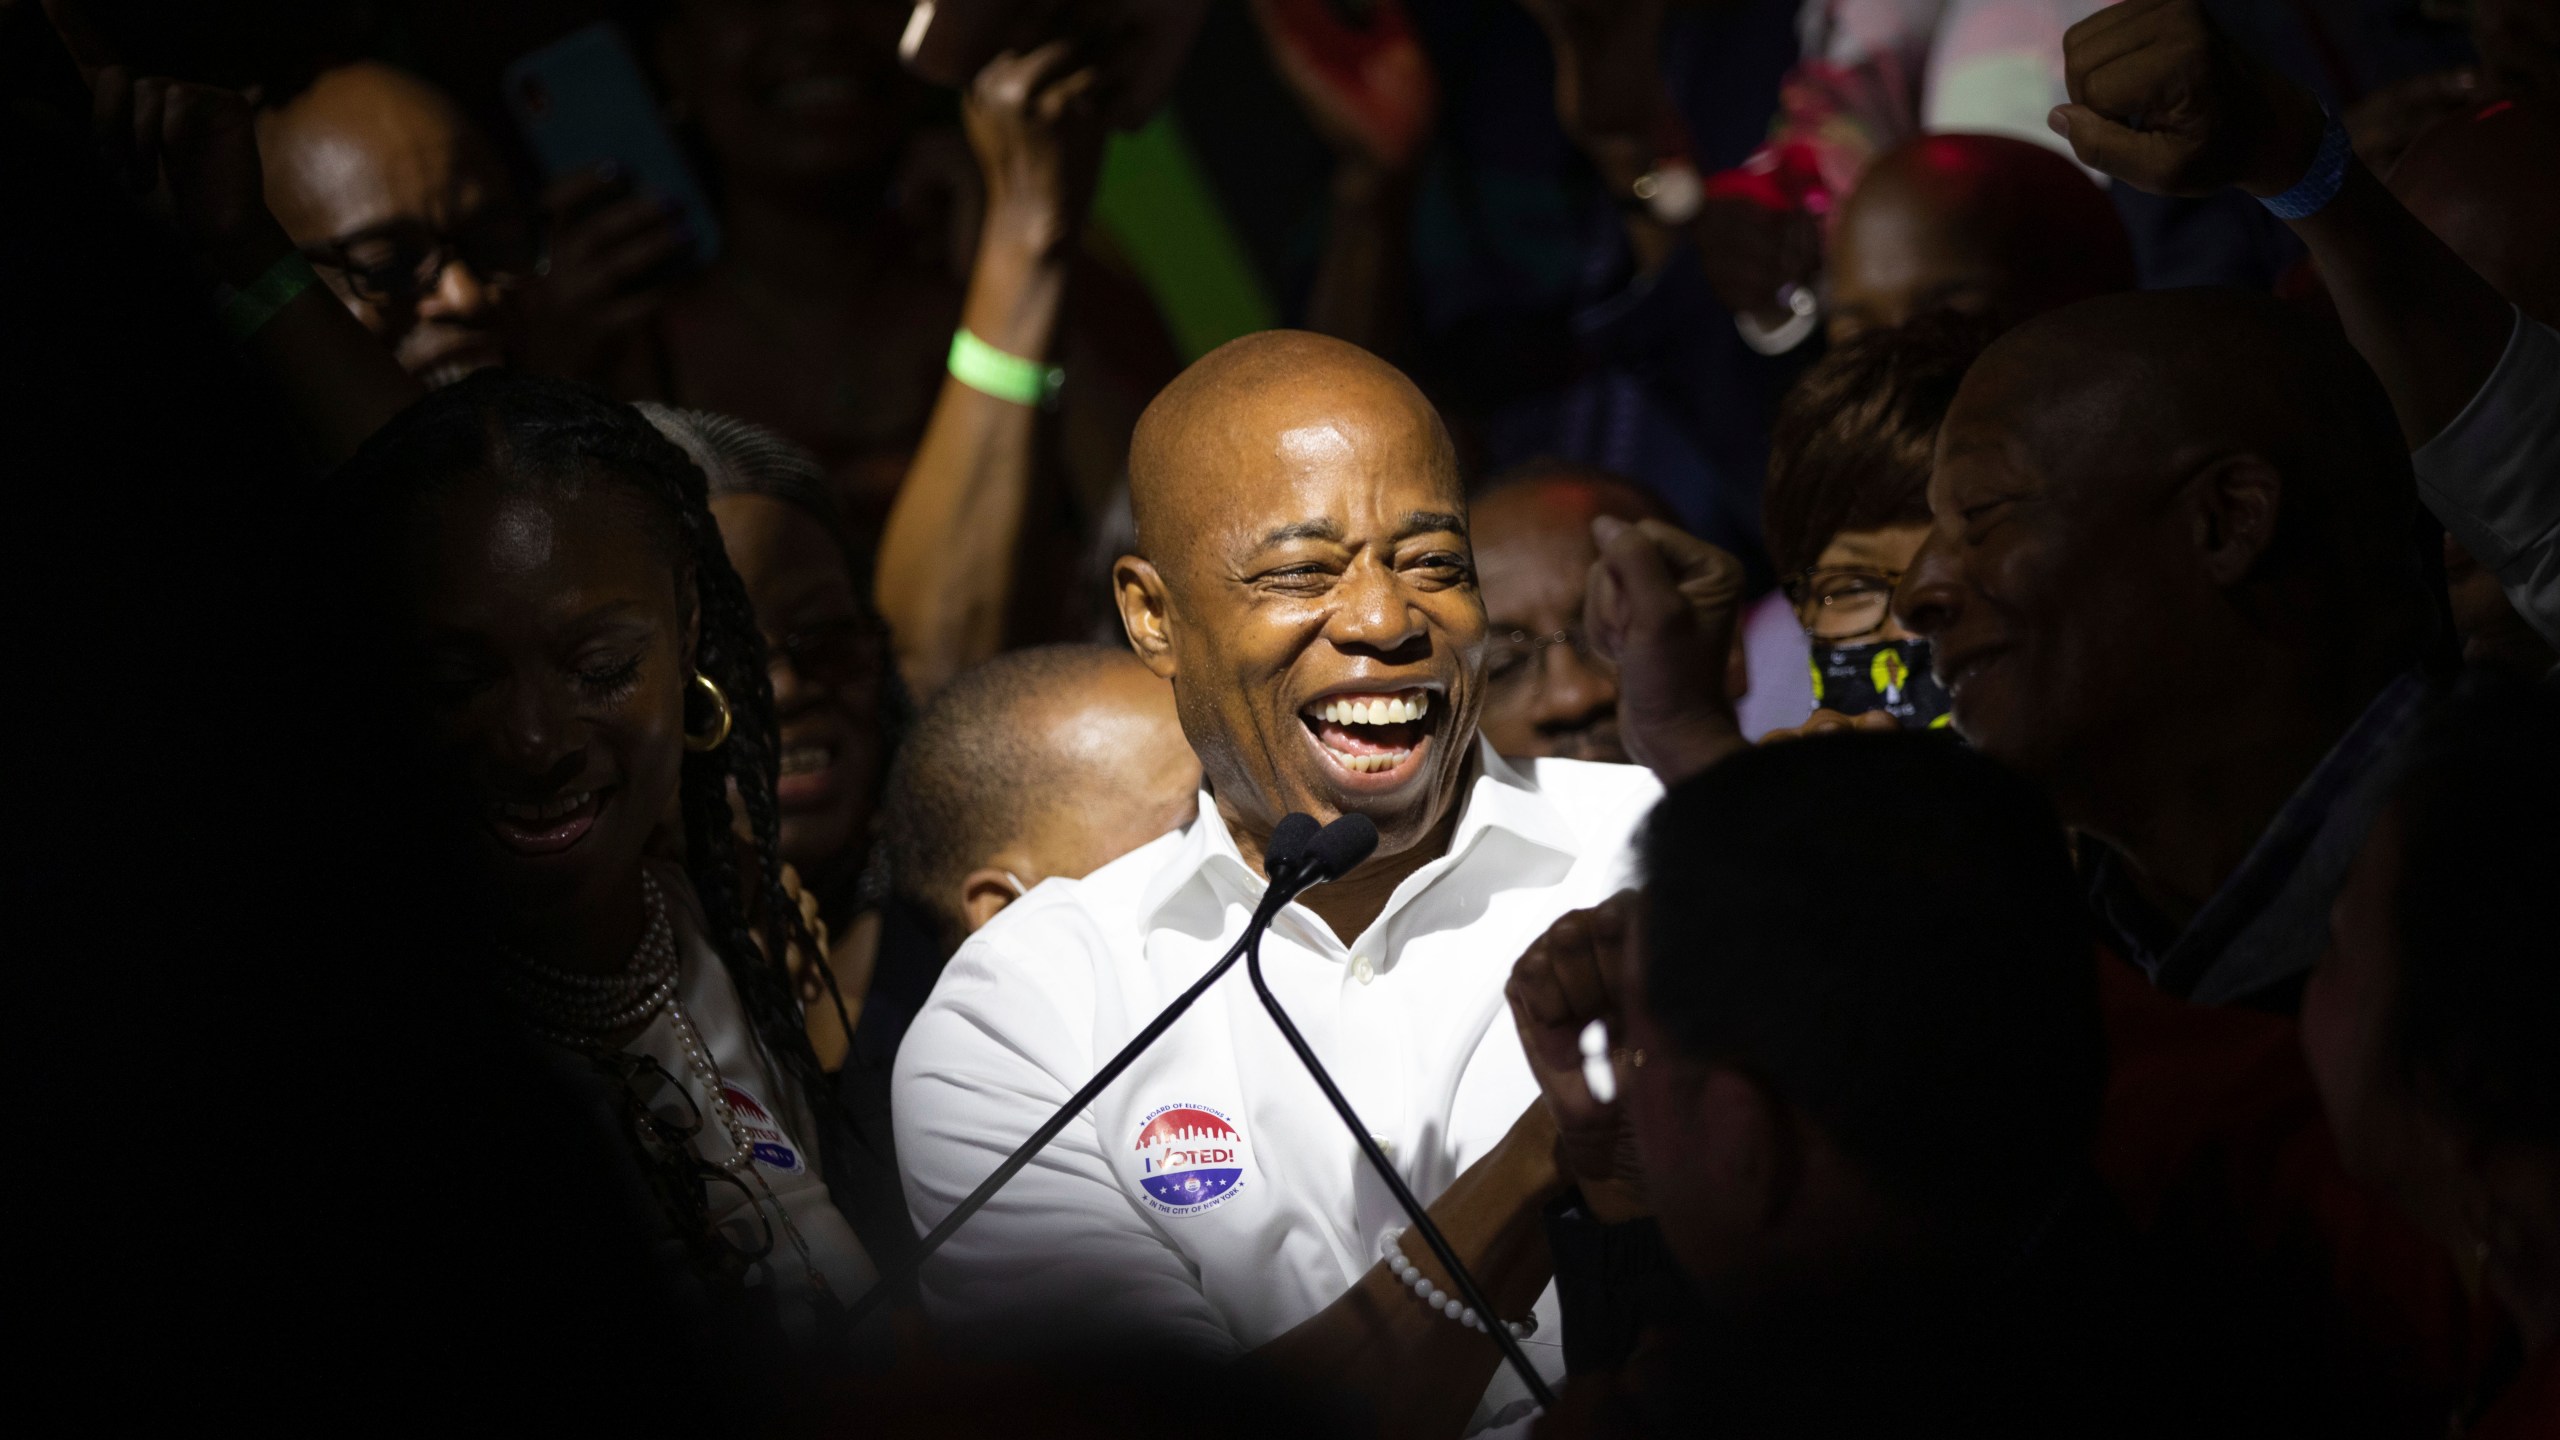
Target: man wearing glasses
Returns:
[[1548, 692], [402, 207]]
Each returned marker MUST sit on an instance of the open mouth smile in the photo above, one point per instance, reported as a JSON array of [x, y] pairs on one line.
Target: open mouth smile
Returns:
[[1376, 740], [547, 827]]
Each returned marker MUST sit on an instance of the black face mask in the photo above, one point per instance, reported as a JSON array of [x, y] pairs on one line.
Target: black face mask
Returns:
[[1888, 675]]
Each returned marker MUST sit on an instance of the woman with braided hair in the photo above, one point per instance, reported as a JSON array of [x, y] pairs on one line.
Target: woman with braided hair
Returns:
[[581, 660], [842, 709]]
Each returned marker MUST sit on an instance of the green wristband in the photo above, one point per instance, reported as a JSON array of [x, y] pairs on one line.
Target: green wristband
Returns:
[[243, 312], [990, 371]]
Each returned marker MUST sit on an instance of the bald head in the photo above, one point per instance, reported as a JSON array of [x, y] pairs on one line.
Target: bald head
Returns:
[[375, 167], [1981, 223], [1268, 405], [2147, 506], [2127, 393], [1038, 763], [2487, 182], [1304, 579]]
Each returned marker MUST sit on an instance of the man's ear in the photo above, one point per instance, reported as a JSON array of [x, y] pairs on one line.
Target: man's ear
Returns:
[[1143, 604], [1750, 1144], [983, 892], [2236, 501]]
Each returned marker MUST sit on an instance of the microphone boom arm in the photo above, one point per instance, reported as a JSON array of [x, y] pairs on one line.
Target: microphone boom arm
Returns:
[[1413, 1209]]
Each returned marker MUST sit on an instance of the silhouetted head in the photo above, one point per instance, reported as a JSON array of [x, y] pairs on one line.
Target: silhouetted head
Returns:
[[1838, 1083], [2148, 506], [1981, 223]]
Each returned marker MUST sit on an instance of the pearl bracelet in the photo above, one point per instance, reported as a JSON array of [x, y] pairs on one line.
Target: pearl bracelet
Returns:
[[1432, 1295]]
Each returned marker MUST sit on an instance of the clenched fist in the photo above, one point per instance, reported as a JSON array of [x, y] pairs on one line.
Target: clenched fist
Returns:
[[2164, 101]]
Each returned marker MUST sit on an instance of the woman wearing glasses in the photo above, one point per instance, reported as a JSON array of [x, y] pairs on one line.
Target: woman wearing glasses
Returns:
[[1847, 507], [579, 661]]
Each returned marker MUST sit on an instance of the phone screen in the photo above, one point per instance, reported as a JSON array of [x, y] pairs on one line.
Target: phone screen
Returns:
[[582, 101]]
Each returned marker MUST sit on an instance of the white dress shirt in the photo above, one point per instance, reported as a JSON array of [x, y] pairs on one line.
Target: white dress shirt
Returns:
[[1210, 1199], [2493, 475]]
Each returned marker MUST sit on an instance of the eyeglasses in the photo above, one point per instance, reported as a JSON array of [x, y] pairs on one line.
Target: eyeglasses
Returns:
[[836, 652], [1511, 663], [403, 262], [1842, 602], [665, 1119]]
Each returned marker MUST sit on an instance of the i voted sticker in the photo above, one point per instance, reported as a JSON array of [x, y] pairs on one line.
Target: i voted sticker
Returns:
[[773, 1149], [1189, 1158]]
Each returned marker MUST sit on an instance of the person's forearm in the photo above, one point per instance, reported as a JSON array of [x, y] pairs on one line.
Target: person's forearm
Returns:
[[947, 549], [336, 382], [2430, 327], [1418, 1372], [1359, 291]]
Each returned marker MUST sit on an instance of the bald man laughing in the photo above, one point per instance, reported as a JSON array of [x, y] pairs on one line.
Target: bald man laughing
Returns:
[[1304, 579]]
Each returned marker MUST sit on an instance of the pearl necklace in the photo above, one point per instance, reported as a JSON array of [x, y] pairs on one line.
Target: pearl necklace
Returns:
[[579, 1009], [741, 1160]]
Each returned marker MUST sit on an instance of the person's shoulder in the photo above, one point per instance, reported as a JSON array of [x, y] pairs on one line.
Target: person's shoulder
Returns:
[[1601, 804], [1600, 787], [1059, 920]]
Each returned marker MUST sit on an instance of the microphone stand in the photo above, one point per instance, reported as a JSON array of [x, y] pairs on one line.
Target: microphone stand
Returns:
[[1458, 1274], [1291, 874]]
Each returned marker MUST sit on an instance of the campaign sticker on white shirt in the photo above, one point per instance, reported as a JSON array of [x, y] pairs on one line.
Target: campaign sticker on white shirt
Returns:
[[774, 1149], [1190, 1158]]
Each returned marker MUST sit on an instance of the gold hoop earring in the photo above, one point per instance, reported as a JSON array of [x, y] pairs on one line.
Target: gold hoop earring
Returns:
[[719, 735]]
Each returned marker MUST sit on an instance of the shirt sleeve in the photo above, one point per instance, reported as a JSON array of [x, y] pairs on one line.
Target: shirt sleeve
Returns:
[[2493, 475], [1061, 1253]]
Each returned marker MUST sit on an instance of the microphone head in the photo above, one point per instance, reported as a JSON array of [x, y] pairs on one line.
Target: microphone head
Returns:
[[1338, 848], [1288, 847]]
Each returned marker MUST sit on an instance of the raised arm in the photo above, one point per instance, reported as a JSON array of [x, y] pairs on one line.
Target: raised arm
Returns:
[[193, 150], [1367, 89], [947, 553], [2209, 115]]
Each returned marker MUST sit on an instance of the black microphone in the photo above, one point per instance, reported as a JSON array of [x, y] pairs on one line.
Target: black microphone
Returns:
[[1298, 856], [1336, 851]]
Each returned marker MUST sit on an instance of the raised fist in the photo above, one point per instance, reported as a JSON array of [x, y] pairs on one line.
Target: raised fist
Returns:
[[2164, 101]]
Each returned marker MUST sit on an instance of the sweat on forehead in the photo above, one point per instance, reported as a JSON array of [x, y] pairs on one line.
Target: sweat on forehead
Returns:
[[1254, 409]]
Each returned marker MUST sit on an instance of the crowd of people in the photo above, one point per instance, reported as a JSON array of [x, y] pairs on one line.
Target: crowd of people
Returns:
[[1946, 615]]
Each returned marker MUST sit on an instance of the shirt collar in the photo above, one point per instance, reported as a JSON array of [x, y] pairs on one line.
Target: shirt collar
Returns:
[[1499, 800], [2178, 960]]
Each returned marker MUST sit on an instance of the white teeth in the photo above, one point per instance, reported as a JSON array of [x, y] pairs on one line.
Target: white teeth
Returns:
[[1397, 710], [1371, 764], [806, 759]]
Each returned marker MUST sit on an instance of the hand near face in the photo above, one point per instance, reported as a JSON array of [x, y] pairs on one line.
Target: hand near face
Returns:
[[1564, 982], [612, 251], [1036, 121], [2165, 102], [1663, 604], [193, 149]]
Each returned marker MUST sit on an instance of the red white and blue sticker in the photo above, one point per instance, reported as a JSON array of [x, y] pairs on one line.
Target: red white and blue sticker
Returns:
[[774, 1150], [1189, 1158]]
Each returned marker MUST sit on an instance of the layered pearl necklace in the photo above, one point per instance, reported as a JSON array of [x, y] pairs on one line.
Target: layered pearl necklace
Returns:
[[580, 1010]]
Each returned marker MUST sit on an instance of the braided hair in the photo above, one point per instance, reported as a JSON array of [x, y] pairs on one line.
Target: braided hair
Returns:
[[557, 433], [740, 457]]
